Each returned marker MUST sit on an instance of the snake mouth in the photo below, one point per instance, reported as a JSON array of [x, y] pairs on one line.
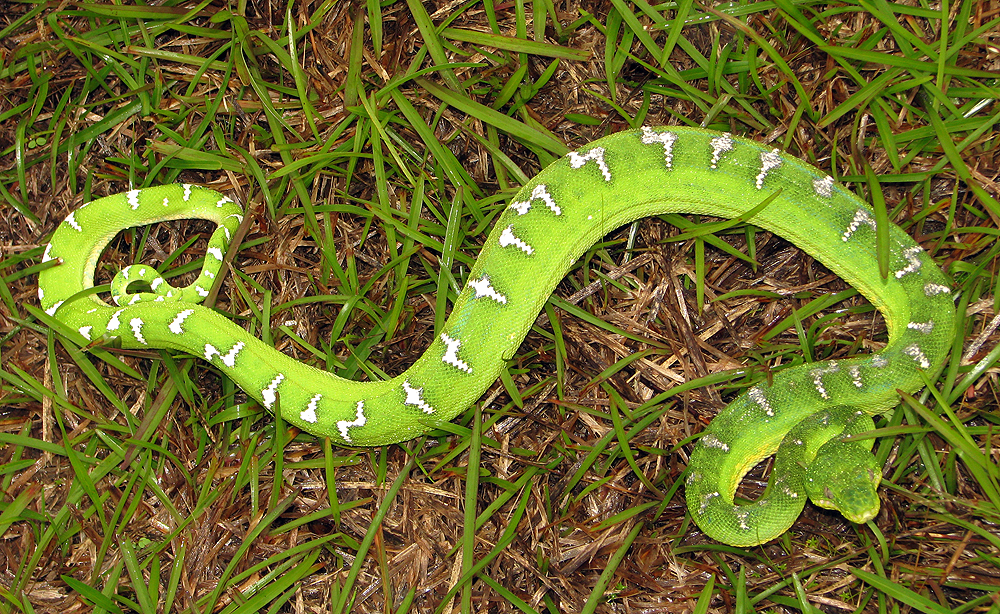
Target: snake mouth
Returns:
[[861, 518]]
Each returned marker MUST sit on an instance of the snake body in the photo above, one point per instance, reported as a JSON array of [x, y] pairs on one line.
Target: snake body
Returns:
[[549, 223]]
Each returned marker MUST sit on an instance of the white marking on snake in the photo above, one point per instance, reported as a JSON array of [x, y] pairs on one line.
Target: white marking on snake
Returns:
[[166, 201], [175, 326], [85, 331], [41, 294], [133, 199], [711, 441], [769, 160], [539, 193], [414, 396], [817, 377], [210, 351], [55, 307], [861, 217], [71, 220], [757, 396], [230, 357], [855, 372], [742, 514], [187, 192], [483, 288], [720, 145], [216, 252], [651, 137], [201, 291], [451, 354], [222, 201], [577, 160], [359, 420], [136, 324], [156, 283], [208, 274], [879, 361], [270, 394], [914, 352], [47, 254], [935, 289], [693, 478], [824, 186], [507, 239], [309, 413], [705, 499], [114, 323], [923, 327], [911, 254]]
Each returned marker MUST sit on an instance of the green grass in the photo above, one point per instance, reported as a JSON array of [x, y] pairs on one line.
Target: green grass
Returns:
[[373, 146]]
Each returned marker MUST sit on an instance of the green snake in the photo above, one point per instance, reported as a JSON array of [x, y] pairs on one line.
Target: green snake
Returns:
[[800, 414]]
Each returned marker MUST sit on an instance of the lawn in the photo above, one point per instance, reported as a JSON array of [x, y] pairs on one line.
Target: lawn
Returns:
[[373, 146]]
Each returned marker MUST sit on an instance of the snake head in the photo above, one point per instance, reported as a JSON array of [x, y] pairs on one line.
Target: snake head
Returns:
[[843, 477]]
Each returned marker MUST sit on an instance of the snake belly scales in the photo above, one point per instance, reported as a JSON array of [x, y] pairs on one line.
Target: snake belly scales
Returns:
[[801, 412]]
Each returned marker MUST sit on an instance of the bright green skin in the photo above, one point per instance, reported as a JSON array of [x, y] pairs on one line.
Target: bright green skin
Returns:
[[627, 176]]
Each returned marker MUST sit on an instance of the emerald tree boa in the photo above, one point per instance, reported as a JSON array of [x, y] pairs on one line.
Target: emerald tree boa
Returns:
[[800, 415]]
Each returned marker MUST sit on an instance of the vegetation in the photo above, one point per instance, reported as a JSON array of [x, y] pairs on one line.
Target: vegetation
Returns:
[[373, 145]]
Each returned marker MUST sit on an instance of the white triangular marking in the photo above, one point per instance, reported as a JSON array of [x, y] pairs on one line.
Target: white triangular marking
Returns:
[[359, 420], [507, 238], [577, 160], [451, 354], [483, 288], [539, 193], [415, 397]]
